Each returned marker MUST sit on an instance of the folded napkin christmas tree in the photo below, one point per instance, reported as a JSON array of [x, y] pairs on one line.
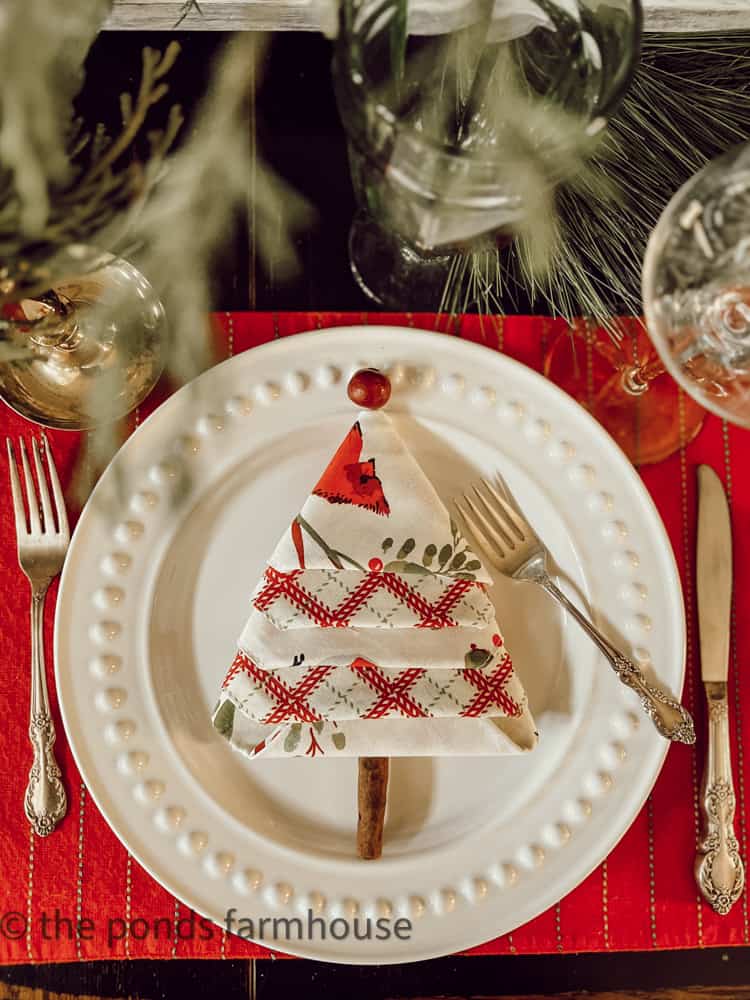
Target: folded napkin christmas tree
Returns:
[[371, 632]]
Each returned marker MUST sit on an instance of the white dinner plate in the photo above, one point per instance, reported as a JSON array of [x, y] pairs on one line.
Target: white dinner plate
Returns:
[[155, 592]]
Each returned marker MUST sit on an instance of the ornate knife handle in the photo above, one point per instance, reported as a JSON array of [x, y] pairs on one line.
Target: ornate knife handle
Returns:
[[718, 868], [671, 720], [45, 802]]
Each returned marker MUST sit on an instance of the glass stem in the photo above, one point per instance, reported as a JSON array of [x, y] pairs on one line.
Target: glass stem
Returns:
[[634, 381]]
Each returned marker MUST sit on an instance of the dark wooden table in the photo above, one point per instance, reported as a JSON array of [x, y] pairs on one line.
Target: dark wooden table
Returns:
[[300, 133]]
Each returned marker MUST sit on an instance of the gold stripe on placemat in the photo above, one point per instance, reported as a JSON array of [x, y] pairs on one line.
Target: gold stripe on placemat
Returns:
[[79, 866], [128, 901], [651, 871], [176, 936], [588, 336], [82, 788], [736, 677], [500, 331], [635, 408], [30, 894], [690, 686], [650, 825], [605, 903], [558, 928], [544, 339], [589, 341], [230, 334]]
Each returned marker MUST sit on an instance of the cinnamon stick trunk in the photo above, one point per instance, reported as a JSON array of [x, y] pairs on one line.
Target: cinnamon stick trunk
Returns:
[[372, 791]]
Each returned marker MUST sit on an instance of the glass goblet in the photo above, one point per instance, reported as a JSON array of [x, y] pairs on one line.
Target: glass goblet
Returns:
[[696, 286], [626, 387], [84, 352]]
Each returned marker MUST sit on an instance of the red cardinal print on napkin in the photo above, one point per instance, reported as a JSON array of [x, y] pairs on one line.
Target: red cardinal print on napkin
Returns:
[[348, 480]]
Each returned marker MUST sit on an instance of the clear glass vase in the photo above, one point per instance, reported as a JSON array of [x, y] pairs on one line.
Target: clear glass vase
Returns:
[[446, 131]]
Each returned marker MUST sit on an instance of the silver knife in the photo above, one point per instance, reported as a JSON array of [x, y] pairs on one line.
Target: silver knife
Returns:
[[718, 868]]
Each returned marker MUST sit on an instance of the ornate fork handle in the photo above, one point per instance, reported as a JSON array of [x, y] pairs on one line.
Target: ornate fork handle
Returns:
[[669, 717], [718, 867], [45, 802]]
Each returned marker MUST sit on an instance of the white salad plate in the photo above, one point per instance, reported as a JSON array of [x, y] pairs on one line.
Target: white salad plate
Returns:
[[156, 589]]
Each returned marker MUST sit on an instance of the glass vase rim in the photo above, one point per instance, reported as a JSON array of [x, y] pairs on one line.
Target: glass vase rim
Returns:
[[358, 93]]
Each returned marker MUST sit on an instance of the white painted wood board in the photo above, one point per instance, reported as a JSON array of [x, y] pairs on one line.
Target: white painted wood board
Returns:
[[316, 15]]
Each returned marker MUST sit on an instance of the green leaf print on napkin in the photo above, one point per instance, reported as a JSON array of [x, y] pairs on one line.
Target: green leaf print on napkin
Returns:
[[402, 566], [406, 548], [445, 553], [224, 719], [452, 559], [292, 737]]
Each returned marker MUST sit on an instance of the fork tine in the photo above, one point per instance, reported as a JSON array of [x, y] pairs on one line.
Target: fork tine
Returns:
[[498, 540], [62, 514], [501, 485], [504, 490], [47, 518], [34, 523], [520, 525], [496, 517], [474, 528], [15, 488]]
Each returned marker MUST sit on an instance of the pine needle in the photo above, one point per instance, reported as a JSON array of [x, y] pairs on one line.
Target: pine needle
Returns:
[[689, 102]]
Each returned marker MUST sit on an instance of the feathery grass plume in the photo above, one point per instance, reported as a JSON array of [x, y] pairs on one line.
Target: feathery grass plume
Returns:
[[175, 238], [205, 186], [89, 201], [101, 188], [43, 44], [689, 101], [172, 232], [538, 148]]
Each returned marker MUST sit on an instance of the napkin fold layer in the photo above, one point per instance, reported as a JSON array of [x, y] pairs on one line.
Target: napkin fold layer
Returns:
[[371, 631], [365, 690], [329, 598], [413, 737], [438, 649]]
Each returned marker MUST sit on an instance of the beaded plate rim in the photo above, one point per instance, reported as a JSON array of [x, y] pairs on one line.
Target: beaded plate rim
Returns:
[[149, 784]]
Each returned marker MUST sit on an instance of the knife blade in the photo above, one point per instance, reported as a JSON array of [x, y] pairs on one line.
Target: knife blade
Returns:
[[718, 869], [714, 574]]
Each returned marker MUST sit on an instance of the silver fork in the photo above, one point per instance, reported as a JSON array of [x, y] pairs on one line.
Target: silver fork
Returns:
[[42, 544], [512, 546]]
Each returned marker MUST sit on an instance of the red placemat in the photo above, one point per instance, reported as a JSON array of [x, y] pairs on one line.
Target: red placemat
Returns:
[[79, 895]]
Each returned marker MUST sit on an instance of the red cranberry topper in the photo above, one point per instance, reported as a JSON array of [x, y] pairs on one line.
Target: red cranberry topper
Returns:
[[369, 389], [348, 479]]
